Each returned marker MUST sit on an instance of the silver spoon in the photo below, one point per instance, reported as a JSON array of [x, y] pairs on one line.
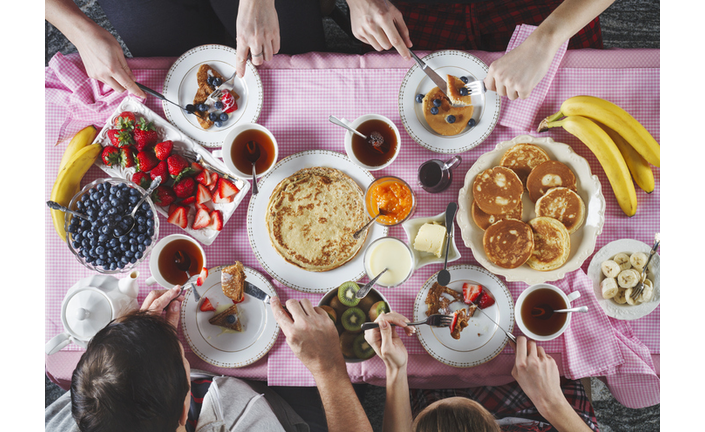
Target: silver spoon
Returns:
[[359, 232], [544, 311], [56, 206], [339, 122], [253, 154], [147, 193], [444, 275], [362, 292], [183, 263]]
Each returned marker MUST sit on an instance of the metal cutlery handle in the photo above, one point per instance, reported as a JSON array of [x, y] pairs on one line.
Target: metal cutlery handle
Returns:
[[56, 206], [362, 292], [157, 94]]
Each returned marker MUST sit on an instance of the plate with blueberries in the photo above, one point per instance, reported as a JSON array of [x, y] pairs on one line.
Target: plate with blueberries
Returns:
[[181, 86], [432, 120]]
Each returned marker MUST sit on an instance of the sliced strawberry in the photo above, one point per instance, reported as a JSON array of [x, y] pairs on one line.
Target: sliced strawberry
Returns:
[[179, 217], [216, 220], [188, 201], [163, 149], [197, 167], [185, 187], [471, 292], [206, 305], [111, 156], [120, 137], [142, 179], [485, 300], [227, 188], [202, 219], [202, 206], [203, 178], [203, 194], [454, 322], [125, 120], [214, 178], [202, 277]]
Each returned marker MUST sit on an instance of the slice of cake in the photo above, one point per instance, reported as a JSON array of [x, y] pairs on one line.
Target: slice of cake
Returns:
[[228, 318], [457, 96], [232, 279]]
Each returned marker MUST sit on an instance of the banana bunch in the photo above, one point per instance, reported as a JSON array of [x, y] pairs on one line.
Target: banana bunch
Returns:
[[77, 159], [621, 144]]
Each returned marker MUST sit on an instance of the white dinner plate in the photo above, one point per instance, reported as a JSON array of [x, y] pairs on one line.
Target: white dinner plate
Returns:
[[214, 344], [180, 86], [624, 311], [486, 113], [181, 142], [582, 242], [481, 340], [280, 269]]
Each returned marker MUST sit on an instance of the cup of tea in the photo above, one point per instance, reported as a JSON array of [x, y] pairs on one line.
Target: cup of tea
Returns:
[[167, 269], [435, 175], [240, 147], [381, 146], [532, 311]]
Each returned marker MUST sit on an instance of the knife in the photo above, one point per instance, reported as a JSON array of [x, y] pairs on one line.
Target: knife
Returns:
[[256, 292], [441, 83], [509, 335]]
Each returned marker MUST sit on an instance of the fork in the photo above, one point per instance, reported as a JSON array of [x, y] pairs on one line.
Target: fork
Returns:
[[217, 92], [476, 87], [195, 156], [436, 320], [639, 288]]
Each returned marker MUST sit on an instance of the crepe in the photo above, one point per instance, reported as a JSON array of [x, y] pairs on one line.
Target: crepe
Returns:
[[232, 279], [311, 217]]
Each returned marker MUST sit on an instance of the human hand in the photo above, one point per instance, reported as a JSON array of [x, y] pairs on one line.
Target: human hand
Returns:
[[380, 24], [157, 301], [310, 334], [386, 341], [537, 374], [257, 33]]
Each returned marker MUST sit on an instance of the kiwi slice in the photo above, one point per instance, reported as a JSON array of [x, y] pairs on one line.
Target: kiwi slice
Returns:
[[337, 305], [346, 344], [378, 309], [352, 319], [346, 293], [361, 348], [331, 312], [367, 302]]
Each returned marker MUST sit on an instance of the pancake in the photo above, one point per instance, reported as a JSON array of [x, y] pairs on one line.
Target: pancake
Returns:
[[204, 89], [484, 220], [438, 122], [497, 190], [522, 158], [562, 204], [229, 319], [508, 243], [454, 84], [548, 175], [311, 217], [232, 280], [551, 244], [439, 297]]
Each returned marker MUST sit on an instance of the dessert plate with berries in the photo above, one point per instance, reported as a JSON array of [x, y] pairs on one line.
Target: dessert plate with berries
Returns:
[[242, 103], [481, 340], [139, 145], [417, 84], [221, 346]]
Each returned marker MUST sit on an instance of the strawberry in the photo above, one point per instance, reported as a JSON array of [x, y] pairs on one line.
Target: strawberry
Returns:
[[206, 305], [216, 220], [202, 219], [177, 164], [145, 134], [120, 137], [201, 206], [229, 103], [471, 292], [179, 217], [203, 178], [125, 120], [127, 157], [197, 167], [203, 195], [188, 201], [202, 276], [146, 161], [454, 322], [227, 188], [214, 177], [159, 171], [485, 300], [163, 149], [142, 179], [163, 195], [185, 188], [111, 155]]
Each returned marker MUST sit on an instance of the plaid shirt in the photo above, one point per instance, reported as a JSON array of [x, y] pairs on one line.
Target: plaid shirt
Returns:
[[510, 401]]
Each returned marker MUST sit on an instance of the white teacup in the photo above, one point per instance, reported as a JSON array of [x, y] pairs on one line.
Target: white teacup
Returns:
[[349, 136], [225, 152], [156, 276], [520, 301]]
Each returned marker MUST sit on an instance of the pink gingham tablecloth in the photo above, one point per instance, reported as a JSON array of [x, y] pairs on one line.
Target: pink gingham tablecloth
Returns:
[[299, 94]]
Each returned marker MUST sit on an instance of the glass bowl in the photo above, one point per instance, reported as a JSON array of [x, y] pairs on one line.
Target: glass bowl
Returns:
[[372, 207], [79, 243], [393, 262]]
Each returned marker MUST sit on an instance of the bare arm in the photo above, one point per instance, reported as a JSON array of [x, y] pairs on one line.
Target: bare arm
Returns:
[[380, 24], [257, 33]]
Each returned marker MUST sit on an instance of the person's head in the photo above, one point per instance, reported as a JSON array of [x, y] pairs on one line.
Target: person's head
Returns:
[[132, 377], [455, 414]]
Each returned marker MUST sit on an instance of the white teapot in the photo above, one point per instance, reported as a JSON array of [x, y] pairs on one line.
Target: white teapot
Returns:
[[90, 305]]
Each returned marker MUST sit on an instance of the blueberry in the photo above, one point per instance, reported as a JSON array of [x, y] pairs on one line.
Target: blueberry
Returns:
[[103, 238], [149, 240], [213, 116], [218, 105], [230, 319], [450, 118], [218, 123], [464, 79], [76, 244], [472, 122], [223, 117], [149, 213], [434, 110], [419, 98], [209, 80], [436, 102], [190, 108], [139, 254], [463, 91], [202, 107], [217, 81], [112, 266]]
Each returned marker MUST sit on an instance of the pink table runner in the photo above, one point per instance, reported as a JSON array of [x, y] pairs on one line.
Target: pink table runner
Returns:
[[299, 94]]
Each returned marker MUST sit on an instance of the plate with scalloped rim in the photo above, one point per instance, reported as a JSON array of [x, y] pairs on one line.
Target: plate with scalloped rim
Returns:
[[180, 86], [181, 142], [487, 105], [481, 340], [218, 346], [582, 242]]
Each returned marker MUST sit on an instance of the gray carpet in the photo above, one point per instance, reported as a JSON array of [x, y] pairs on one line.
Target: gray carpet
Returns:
[[625, 24]]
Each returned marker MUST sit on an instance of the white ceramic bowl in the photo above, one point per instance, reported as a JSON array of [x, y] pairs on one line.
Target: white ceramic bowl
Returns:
[[348, 140], [412, 227], [520, 301]]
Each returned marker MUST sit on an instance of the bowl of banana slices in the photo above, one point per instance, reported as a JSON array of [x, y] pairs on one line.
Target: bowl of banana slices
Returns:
[[616, 270]]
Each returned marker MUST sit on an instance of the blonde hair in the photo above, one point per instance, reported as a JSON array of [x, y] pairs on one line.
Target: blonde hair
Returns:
[[455, 414]]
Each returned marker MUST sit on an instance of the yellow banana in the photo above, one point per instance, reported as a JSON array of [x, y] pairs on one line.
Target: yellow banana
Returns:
[[640, 169], [82, 138], [607, 154], [616, 118], [68, 181]]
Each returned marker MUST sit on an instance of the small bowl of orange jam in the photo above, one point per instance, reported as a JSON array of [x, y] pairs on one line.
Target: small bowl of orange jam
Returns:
[[393, 198]]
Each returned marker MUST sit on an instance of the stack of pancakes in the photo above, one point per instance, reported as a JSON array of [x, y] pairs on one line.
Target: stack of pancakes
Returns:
[[497, 208]]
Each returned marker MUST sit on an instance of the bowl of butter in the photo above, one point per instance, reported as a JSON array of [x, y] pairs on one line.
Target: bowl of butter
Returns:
[[427, 240]]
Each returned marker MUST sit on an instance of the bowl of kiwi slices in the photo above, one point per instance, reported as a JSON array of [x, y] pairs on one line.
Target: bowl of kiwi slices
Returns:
[[348, 313]]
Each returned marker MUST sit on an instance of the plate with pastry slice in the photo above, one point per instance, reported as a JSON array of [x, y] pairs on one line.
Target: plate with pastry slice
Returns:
[[226, 327], [189, 81], [475, 339]]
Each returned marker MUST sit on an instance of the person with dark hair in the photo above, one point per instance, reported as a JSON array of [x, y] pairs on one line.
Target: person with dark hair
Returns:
[[537, 401]]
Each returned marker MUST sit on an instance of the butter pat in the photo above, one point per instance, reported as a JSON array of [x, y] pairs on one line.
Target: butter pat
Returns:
[[431, 238]]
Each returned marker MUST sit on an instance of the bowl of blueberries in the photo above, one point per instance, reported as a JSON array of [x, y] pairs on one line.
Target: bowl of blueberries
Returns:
[[105, 238]]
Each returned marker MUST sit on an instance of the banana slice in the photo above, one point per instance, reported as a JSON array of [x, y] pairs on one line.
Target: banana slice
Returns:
[[610, 269], [628, 278], [648, 294], [620, 297], [622, 259], [609, 287], [628, 295], [638, 260]]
